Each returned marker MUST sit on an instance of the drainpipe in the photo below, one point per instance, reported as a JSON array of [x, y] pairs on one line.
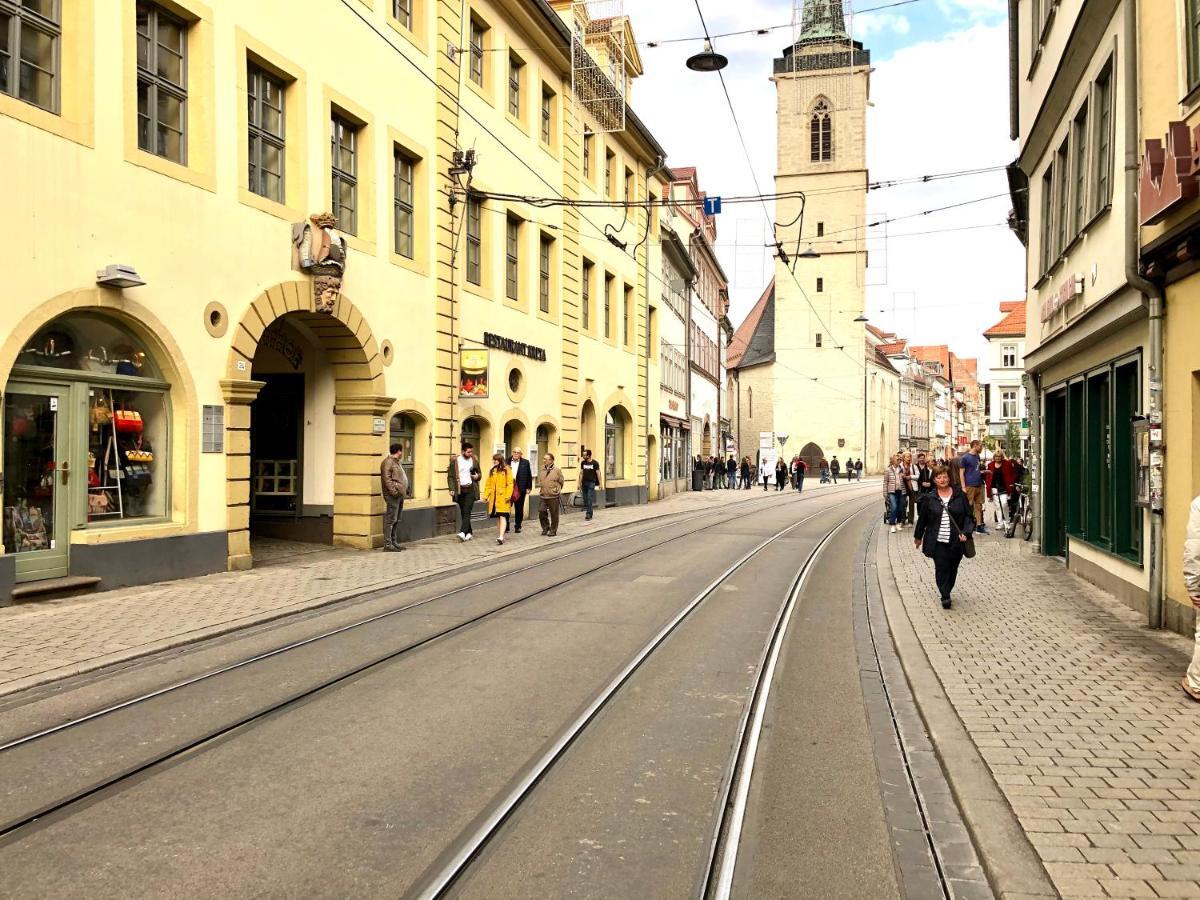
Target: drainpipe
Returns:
[[1154, 294], [660, 163]]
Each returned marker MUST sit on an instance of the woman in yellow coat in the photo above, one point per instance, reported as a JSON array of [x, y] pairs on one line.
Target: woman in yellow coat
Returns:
[[498, 494]]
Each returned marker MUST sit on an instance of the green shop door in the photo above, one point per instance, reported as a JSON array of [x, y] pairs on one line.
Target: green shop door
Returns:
[[36, 475]]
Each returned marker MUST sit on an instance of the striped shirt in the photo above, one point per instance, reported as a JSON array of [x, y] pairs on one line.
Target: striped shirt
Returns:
[[944, 528]]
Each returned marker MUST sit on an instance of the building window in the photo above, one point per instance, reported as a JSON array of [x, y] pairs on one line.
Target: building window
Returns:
[[628, 185], [478, 32], [402, 10], [588, 140], [547, 115], [820, 229], [1008, 356], [266, 137], [512, 257], [161, 83], [403, 167], [819, 339], [1192, 34], [614, 445], [547, 245], [821, 132], [587, 294], [1079, 130], [1008, 404], [1102, 158], [344, 150], [610, 172], [750, 401], [474, 240], [608, 298], [30, 33], [820, 285], [1046, 231], [627, 317], [515, 76], [1062, 206]]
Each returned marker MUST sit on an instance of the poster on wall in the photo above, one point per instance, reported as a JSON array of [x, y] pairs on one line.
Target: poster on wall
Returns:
[[473, 374]]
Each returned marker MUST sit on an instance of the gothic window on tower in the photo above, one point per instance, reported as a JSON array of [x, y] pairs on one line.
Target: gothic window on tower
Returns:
[[821, 132]]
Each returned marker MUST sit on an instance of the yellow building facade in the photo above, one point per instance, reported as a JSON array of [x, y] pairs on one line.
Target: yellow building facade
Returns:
[[1169, 209], [151, 428]]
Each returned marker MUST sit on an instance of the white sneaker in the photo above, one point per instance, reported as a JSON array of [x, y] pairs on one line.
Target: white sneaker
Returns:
[[468, 537], [499, 540], [893, 529], [462, 536]]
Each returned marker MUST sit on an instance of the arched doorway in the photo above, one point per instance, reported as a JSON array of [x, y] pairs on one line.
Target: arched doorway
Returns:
[[652, 465], [618, 432], [812, 456], [515, 436], [706, 439], [587, 428], [336, 470]]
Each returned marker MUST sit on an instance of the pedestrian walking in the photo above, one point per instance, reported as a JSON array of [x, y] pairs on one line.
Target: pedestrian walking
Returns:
[[909, 507], [894, 490], [944, 525], [924, 483], [550, 490], [395, 488], [731, 473], [781, 474], [765, 471], [718, 473], [858, 470], [835, 469], [523, 483], [498, 492], [589, 482], [746, 473], [824, 469], [463, 481], [801, 471], [973, 486], [1191, 582]]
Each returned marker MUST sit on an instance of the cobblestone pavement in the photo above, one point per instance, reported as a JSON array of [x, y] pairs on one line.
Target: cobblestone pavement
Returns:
[[1077, 709], [50, 640]]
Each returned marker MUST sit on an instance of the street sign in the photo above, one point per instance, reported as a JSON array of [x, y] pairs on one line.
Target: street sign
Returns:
[[782, 437], [1024, 423], [712, 206]]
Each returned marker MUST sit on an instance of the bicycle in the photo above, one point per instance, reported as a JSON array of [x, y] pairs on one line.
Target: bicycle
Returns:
[[1023, 516]]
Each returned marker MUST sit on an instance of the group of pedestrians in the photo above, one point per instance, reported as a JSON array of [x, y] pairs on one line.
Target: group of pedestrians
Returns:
[[945, 499]]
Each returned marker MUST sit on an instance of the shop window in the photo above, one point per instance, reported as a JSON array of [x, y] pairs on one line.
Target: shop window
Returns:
[[30, 34], [403, 431], [114, 413], [614, 445], [162, 83]]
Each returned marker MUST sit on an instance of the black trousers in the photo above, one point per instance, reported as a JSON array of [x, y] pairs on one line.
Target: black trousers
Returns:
[[518, 509], [946, 558], [465, 501]]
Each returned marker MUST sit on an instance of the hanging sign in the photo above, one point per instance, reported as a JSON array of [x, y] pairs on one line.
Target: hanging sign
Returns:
[[712, 206], [473, 374]]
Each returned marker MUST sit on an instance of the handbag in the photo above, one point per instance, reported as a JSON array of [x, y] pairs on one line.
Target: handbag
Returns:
[[101, 413], [969, 544], [98, 503], [127, 421]]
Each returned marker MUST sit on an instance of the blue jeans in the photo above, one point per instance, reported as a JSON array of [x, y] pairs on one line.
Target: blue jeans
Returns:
[[895, 507], [589, 498]]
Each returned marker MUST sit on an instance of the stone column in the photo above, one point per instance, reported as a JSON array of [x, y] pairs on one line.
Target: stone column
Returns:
[[239, 394], [358, 501]]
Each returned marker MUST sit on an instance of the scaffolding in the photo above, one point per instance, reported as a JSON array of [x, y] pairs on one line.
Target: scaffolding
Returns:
[[823, 41], [599, 63]]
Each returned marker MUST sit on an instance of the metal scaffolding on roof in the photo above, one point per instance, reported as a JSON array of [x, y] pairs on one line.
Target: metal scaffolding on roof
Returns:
[[599, 63]]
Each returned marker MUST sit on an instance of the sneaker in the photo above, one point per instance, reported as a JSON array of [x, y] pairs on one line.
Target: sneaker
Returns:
[[462, 536], [982, 529], [893, 529], [499, 540], [1187, 689], [468, 537]]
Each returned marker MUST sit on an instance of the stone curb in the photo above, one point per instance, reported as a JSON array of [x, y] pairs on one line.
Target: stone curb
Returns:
[[50, 676], [1012, 864]]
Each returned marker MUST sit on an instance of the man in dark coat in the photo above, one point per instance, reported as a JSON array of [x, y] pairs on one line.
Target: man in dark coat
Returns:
[[523, 482], [835, 469]]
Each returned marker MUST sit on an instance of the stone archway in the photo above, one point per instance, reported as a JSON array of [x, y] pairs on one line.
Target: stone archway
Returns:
[[360, 398], [812, 456]]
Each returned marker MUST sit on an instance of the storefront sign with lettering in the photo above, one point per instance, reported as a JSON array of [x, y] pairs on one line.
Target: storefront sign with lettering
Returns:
[[1067, 291], [508, 345], [1170, 174]]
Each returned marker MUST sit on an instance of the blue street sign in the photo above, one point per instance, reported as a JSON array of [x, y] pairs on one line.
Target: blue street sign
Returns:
[[712, 206]]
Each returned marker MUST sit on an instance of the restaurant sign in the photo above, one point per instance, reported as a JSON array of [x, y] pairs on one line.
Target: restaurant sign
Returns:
[[1067, 291], [1170, 172], [508, 345]]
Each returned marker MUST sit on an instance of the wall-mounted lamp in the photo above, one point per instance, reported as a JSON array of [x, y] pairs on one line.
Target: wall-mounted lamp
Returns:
[[119, 276]]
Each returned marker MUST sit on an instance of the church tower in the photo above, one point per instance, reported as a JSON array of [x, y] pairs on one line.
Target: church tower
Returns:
[[818, 371]]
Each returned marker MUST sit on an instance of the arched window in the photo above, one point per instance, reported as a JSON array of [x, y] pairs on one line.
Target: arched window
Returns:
[[471, 435], [543, 444], [403, 431], [821, 132]]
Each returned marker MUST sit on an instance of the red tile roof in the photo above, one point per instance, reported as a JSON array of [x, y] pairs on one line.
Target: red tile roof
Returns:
[[1013, 323], [894, 347], [745, 331], [939, 353]]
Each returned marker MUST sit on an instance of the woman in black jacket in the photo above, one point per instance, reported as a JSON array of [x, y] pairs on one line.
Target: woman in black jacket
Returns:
[[944, 522]]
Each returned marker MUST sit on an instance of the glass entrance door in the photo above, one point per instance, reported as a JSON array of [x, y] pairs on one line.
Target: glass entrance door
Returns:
[[36, 475]]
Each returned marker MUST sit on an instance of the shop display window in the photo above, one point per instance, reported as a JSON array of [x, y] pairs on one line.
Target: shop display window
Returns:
[[127, 434]]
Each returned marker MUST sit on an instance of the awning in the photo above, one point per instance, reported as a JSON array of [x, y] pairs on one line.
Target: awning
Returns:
[[677, 423]]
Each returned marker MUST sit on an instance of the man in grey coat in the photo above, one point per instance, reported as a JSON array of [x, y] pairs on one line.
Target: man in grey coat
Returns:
[[1191, 582], [395, 489]]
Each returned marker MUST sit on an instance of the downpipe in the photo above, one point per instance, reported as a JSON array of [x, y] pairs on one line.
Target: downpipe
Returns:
[[660, 164], [1154, 295]]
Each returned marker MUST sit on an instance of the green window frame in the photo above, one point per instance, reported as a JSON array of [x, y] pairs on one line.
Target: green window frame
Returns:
[[30, 38], [266, 137], [512, 259], [586, 293], [161, 83], [402, 12], [1192, 37]]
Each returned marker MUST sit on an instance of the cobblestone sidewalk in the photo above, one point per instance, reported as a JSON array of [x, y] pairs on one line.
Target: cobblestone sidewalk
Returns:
[[47, 641], [1077, 710]]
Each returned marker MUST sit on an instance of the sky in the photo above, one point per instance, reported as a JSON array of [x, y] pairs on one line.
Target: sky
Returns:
[[939, 91]]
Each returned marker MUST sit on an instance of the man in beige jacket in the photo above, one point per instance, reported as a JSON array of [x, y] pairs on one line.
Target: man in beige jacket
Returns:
[[551, 492], [1191, 581]]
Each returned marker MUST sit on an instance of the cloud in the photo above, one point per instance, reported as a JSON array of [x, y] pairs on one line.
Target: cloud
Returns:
[[973, 10], [876, 23]]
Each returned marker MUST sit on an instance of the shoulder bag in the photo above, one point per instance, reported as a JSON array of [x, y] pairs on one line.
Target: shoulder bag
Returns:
[[969, 545]]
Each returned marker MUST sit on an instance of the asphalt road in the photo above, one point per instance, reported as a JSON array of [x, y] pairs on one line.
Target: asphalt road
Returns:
[[360, 789]]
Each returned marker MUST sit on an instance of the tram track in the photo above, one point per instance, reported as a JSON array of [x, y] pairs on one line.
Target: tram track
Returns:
[[455, 863], [63, 802]]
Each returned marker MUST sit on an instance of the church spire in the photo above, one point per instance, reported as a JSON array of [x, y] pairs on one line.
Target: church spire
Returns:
[[822, 20]]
